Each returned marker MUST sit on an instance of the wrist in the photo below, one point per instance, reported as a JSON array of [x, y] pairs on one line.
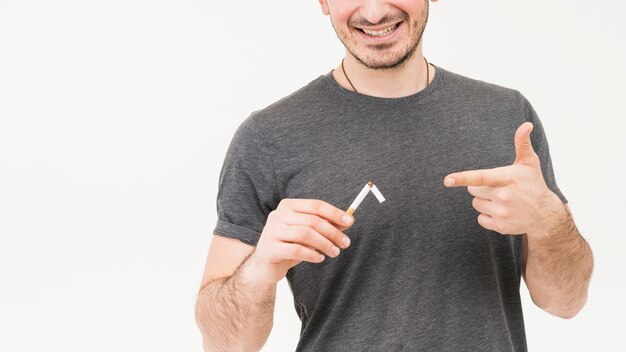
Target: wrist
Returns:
[[254, 272], [552, 224]]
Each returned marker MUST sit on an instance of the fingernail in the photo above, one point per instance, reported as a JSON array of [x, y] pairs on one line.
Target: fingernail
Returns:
[[336, 250], [345, 241], [449, 181], [347, 219]]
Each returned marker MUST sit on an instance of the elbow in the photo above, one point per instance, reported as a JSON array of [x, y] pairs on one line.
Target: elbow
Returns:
[[202, 317], [204, 320], [219, 334], [561, 309], [575, 309], [565, 313]]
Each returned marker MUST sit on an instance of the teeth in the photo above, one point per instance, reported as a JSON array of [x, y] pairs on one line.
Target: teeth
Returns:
[[382, 32]]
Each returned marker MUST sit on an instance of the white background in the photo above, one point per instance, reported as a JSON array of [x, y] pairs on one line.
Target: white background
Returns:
[[115, 117]]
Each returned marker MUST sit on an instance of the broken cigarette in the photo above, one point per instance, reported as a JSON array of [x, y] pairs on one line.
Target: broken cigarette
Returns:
[[377, 193], [368, 187]]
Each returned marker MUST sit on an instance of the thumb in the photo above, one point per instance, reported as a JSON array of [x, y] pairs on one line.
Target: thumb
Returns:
[[524, 152]]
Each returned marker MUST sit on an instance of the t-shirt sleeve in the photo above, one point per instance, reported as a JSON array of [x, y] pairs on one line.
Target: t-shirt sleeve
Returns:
[[539, 141], [247, 185]]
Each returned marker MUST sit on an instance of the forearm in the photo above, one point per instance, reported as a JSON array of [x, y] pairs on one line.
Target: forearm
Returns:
[[236, 313], [559, 264]]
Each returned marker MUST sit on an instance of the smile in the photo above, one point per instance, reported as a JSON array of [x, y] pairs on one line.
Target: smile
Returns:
[[380, 33]]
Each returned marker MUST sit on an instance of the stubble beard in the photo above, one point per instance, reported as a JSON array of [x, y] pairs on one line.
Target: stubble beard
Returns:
[[386, 61]]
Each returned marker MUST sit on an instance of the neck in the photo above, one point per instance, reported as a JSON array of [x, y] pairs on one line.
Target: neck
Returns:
[[397, 82]]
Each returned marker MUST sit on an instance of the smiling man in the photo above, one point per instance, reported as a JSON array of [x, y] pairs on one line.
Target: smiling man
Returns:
[[472, 206]]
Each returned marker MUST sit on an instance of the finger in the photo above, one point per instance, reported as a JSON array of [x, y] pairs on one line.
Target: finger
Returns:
[[285, 250], [524, 152], [308, 237], [486, 221], [483, 206], [320, 208], [491, 208], [485, 192], [320, 225], [496, 177]]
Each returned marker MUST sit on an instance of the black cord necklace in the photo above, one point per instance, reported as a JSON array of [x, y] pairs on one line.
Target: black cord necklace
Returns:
[[352, 85]]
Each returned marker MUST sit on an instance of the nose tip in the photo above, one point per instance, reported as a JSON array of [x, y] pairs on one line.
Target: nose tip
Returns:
[[374, 11]]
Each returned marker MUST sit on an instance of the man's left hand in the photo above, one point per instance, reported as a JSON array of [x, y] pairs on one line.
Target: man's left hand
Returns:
[[510, 198]]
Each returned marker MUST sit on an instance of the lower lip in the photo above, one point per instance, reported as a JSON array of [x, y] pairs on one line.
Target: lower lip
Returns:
[[383, 39]]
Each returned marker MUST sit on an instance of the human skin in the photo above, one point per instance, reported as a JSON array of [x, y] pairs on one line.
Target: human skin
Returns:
[[235, 313], [391, 68], [515, 199], [558, 262]]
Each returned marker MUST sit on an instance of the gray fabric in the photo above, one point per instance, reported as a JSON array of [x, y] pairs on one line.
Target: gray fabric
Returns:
[[421, 273]]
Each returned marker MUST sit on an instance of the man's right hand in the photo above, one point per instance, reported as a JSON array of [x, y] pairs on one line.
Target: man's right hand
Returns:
[[298, 230]]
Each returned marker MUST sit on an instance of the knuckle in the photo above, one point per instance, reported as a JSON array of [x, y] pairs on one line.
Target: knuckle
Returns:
[[273, 215], [485, 222], [482, 222], [310, 234], [338, 237], [284, 202], [505, 197], [338, 215], [300, 234], [314, 221], [318, 206], [295, 251], [306, 253], [277, 216], [326, 209], [313, 257]]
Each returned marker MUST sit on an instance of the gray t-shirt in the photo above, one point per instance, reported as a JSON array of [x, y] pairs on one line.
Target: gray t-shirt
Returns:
[[421, 274]]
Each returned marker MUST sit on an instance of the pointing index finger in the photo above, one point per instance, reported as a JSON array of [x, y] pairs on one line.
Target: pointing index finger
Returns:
[[487, 177]]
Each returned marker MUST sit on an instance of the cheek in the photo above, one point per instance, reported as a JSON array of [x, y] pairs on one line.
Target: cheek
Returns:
[[340, 14], [412, 7]]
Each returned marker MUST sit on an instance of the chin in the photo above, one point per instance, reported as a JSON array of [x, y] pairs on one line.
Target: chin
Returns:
[[388, 61]]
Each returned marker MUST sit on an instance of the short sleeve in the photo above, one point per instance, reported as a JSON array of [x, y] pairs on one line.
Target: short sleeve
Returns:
[[539, 141], [246, 190]]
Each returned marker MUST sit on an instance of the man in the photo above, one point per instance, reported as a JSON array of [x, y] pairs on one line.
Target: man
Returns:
[[471, 206]]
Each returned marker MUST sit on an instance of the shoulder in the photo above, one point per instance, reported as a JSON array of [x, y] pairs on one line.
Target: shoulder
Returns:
[[289, 108], [482, 92]]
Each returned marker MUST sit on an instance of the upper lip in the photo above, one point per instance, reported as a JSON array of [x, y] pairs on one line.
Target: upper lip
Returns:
[[384, 26]]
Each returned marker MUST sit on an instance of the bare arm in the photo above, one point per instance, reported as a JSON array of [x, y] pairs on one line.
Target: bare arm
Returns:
[[235, 313], [558, 262], [515, 199], [235, 306]]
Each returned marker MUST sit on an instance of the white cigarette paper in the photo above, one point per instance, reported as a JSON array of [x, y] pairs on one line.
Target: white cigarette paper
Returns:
[[377, 193], [368, 187], [360, 197]]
